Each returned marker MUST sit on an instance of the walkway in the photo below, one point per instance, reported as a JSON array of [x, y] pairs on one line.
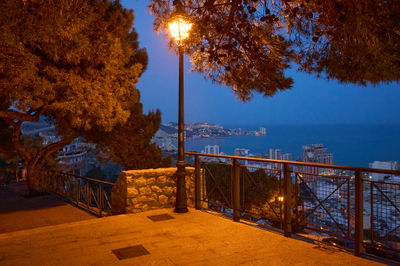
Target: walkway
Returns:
[[18, 212], [193, 238]]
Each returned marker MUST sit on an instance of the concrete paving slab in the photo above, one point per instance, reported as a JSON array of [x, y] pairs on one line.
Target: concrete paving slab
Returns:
[[193, 238]]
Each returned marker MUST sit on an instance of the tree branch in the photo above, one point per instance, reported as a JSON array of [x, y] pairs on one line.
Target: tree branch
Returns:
[[15, 115], [16, 139], [44, 152], [232, 11]]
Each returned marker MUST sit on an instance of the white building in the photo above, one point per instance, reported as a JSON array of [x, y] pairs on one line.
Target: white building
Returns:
[[262, 131], [287, 157], [212, 149], [386, 165], [242, 152], [316, 153], [274, 154]]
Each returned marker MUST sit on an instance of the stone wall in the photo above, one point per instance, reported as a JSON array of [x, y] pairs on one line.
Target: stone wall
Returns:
[[142, 190]]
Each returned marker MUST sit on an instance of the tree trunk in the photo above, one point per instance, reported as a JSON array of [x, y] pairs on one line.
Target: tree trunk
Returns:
[[33, 159], [33, 181]]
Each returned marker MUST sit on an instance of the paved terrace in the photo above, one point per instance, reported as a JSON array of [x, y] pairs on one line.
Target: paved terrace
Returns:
[[18, 212], [193, 238]]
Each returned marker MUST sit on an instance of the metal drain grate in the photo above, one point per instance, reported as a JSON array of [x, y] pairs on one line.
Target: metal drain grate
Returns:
[[160, 217], [130, 252]]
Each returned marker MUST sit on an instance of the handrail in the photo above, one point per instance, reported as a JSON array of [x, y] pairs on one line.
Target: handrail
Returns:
[[332, 166], [87, 193], [85, 178], [339, 199]]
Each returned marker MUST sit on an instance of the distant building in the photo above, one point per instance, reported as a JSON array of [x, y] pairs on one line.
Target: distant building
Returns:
[[212, 149], [262, 131], [242, 152], [275, 154], [287, 157], [204, 124], [316, 153], [74, 156], [386, 165]]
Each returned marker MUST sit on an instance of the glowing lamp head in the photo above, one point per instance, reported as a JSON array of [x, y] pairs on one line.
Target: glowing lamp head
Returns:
[[179, 28], [280, 199]]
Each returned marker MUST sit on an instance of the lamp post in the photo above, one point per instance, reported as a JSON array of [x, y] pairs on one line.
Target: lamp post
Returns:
[[179, 28]]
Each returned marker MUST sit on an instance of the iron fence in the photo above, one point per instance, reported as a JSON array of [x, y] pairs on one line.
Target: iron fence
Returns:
[[261, 195], [383, 210], [90, 194], [343, 205], [326, 204], [218, 186]]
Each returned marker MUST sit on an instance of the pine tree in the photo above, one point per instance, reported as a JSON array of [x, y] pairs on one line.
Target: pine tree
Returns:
[[75, 62], [130, 144]]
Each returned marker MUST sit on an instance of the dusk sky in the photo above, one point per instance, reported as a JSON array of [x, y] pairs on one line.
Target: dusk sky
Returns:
[[310, 101]]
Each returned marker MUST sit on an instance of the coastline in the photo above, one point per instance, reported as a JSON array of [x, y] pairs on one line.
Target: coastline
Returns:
[[355, 145]]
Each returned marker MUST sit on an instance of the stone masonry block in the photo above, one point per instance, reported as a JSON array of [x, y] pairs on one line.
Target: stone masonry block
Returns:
[[140, 182], [172, 200], [163, 199], [145, 207], [145, 190], [138, 206], [169, 191], [153, 196], [132, 191], [151, 181], [162, 179], [130, 180], [142, 199], [133, 201], [132, 209], [156, 189]]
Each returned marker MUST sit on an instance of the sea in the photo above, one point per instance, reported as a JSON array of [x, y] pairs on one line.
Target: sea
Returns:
[[351, 145]]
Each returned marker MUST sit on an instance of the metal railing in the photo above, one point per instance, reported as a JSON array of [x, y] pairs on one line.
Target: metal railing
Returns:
[[339, 203], [90, 194]]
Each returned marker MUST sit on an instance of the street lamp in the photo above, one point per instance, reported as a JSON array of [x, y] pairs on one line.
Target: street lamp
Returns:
[[179, 28]]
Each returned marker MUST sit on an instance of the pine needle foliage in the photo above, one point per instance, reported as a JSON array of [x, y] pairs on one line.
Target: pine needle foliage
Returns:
[[248, 44], [73, 61]]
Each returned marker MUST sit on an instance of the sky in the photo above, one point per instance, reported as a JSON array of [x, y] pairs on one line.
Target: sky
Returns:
[[310, 101]]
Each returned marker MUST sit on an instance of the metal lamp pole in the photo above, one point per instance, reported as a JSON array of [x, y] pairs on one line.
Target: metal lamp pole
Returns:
[[180, 204], [179, 27]]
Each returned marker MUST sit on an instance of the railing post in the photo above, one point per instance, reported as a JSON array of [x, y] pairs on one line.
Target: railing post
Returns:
[[372, 212], [359, 215], [99, 199], [55, 183], [348, 211], [87, 194], [197, 183], [287, 200], [77, 190], [235, 190]]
